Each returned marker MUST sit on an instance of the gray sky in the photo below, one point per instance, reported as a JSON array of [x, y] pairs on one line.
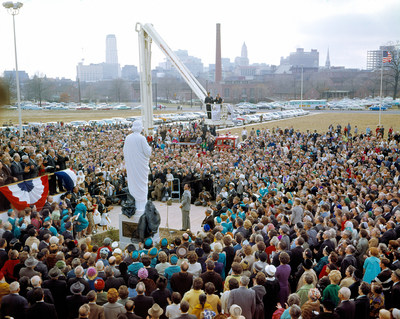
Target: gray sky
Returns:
[[54, 35]]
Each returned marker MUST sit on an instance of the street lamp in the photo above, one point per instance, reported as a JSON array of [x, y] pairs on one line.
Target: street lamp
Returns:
[[13, 9]]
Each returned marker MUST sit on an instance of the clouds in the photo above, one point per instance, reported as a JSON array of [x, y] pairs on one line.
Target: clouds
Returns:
[[349, 35], [54, 35]]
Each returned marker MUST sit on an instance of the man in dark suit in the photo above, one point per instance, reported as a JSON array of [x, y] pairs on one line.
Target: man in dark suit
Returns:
[[182, 281], [389, 234], [58, 289], [14, 305], [297, 255], [347, 308], [348, 260], [111, 281], [16, 167], [211, 276], [76, 300], [36, 282], [184, 309], [62, 165], [68, 233], [41, 309], [51, 166], [362, 301], [396, 261], [79, 273], [3, 253], [142, 302], [129, 307], [395, 291], [282, 247], [96, 311], [243, 297]]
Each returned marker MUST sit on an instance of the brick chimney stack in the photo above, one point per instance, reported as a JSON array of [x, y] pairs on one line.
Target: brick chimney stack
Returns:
[[218, 64]]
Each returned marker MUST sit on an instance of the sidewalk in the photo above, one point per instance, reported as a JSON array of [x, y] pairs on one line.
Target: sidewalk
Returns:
[[174, 216]]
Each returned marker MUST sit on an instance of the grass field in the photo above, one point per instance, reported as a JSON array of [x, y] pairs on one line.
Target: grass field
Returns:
[[315, 121], [321, 121]]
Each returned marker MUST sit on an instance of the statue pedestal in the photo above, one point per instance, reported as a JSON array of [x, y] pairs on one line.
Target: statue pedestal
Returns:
[[127, 226]]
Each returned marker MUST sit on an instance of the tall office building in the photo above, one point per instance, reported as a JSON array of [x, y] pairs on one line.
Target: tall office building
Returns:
[[309, 61], [111, 69], [242, 60], [374, 57], [111, 49]]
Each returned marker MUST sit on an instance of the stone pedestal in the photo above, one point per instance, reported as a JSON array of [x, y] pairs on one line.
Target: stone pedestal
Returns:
[[127, 226]]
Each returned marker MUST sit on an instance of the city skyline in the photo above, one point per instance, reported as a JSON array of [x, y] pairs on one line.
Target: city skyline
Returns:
[[54, 36]]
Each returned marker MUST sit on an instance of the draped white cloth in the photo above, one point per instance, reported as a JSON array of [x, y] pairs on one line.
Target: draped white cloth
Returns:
[[137, 154]]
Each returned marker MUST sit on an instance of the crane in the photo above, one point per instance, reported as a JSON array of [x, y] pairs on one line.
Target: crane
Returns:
[[147, 34]]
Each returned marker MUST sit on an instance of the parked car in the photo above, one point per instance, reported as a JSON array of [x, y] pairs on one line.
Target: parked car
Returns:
[[376, 108]]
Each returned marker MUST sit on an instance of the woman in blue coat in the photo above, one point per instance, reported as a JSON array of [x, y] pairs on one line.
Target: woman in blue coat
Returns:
[[372, 265], [81, 221]]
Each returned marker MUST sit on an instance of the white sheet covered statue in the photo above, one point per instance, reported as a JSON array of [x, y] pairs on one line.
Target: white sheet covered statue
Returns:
[[137, 154]]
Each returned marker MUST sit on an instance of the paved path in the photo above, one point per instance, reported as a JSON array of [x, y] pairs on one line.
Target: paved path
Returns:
[[174, 216]]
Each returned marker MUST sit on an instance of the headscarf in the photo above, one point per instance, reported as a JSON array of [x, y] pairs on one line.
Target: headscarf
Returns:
[[137, 126], [314, 294]]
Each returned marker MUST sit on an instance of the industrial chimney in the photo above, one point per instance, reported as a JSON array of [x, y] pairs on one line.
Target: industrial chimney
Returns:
[[218, 65]]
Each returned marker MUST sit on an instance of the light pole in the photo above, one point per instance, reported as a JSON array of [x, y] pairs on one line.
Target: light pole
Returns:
[[13, 9]]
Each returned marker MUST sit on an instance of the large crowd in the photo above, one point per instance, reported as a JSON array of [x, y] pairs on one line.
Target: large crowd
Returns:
[[297, 224]]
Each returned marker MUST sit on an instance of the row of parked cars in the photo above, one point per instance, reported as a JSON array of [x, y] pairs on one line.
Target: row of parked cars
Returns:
[[263, 117], [160, 119], [157, 119]]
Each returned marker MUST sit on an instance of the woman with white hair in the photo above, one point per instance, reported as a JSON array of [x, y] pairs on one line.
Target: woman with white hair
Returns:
[[236, 312]]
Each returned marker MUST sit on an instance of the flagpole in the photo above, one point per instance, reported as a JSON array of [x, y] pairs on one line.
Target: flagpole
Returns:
[[380, 102]]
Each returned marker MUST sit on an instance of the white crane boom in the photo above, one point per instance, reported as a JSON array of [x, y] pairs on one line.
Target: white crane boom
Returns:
[[147, 34]]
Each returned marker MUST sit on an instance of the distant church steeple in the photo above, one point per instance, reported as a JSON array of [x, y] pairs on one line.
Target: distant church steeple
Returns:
[[328, 61], [244, 50]]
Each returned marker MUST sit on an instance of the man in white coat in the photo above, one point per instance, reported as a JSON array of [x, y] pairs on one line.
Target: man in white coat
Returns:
[[137, 154]]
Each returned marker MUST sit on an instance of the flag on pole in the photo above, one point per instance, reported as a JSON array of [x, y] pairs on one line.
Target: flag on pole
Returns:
[[386, 57], [26, 193], [68, 178]]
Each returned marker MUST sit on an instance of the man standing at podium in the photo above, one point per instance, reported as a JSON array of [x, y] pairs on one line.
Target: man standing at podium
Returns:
[[185, 207], [208, 100]]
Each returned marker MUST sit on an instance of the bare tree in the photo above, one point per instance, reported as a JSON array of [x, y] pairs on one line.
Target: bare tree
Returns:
[[36, 87], [394, 68]]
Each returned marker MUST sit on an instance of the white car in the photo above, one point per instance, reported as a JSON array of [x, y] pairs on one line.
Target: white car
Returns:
[[276, 116], [78, 123], [267, 117]]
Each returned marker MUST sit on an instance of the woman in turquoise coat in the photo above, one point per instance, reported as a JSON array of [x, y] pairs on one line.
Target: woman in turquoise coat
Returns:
[[371, 265], [81, 221]]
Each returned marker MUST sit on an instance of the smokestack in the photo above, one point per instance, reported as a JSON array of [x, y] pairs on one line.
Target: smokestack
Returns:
[[218, 65]]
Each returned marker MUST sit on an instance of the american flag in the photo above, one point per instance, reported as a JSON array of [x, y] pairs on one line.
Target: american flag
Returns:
[[386, 56]]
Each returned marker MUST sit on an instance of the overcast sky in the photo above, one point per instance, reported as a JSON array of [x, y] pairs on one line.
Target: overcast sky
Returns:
[[54, 35]]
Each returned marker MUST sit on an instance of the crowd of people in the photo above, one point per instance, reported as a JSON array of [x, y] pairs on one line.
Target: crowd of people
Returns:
[[297, 224]]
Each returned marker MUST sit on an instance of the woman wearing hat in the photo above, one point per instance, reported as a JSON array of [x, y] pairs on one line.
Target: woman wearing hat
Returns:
[[81, 221], [149, 283], [236, 312], [311, 305], [272, 290], [91, 275]]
